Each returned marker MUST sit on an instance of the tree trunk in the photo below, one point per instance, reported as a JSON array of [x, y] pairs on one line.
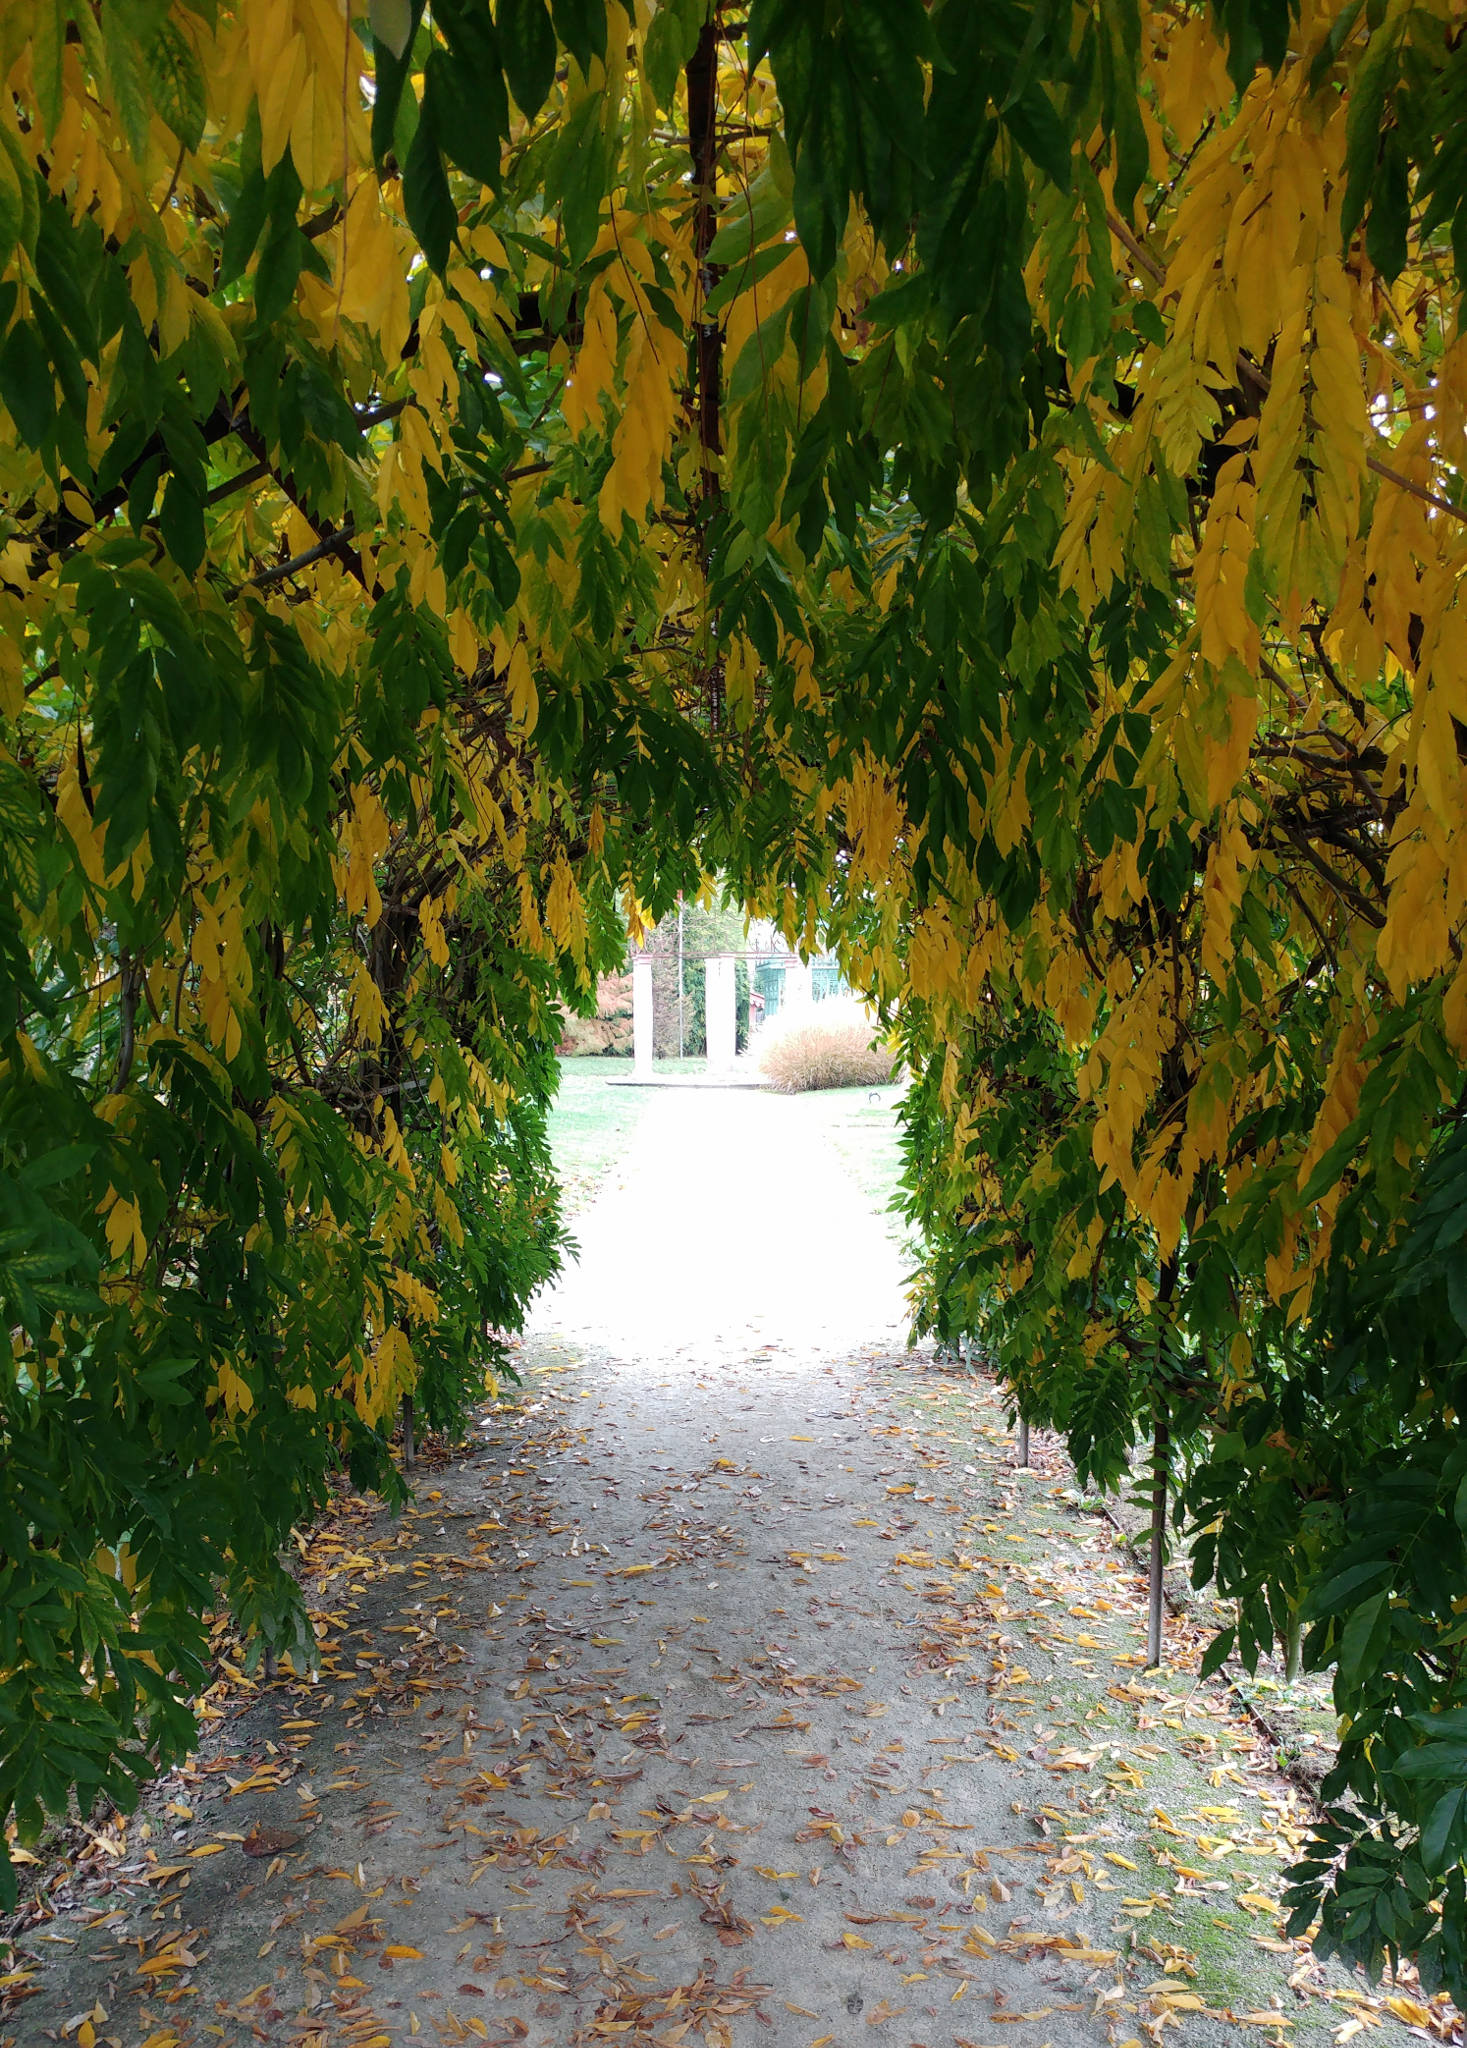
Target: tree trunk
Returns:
[[1160, 1446], [1293, 1647], [708, 334], [409, 1444]]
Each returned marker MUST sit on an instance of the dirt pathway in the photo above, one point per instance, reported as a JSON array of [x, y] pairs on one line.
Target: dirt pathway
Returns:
[[631, 1730]]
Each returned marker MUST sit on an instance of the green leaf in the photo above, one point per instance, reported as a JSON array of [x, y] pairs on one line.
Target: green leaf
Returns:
[[181, 523], [125, 39], [26, 385], [757, 356], [1121, 98], [15, 174], [278, 271], [470, 105], [809, 324], [671, 40], [1444, 1836], [48, 52], [1333, 43], [1147, 320], [1434, 1760], [1217, 1653], [177, 85], [1363, 1638], [1035, 126], [581, 26], [142, 490], [825, 173], [1389, 224], [527, 40], [748, 221], [284, 247], [161, 1381], [576, 176], [67, 277], [392, 69], [242, 228], [1365, 122], [743, 276], [426, 198]]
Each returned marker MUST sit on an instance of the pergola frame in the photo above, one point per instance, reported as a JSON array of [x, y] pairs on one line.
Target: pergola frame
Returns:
[[720, 983]]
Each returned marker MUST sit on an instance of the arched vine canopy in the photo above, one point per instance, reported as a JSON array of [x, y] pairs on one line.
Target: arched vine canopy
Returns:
[[987, 481]]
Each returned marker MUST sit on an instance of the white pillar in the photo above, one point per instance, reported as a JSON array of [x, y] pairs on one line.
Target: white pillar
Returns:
[[720, 1011], [642, 1020], [798, 992]]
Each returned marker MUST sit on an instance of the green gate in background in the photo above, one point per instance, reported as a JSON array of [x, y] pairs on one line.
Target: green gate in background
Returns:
[[769, 982]]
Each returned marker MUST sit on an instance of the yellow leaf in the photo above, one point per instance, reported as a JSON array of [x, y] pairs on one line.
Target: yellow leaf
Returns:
[[1411, 2010], [524, 703], [125, 1239], [430, 922], [643, 437]]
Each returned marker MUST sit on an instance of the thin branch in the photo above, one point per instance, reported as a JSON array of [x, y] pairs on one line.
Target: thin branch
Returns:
[[1394, 476], [1137, 247], [1347, 891], [339, 536], [333, 544], [242, 482]]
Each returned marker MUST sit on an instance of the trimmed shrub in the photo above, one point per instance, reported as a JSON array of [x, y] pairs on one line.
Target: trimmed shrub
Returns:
[[828, 1045], [609, 1032]]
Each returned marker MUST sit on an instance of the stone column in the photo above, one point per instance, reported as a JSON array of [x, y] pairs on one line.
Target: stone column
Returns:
[[721, 1011], [642, 1020], [798, 993]]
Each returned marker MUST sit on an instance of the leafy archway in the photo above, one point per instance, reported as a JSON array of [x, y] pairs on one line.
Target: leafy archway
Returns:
[[987, 480]]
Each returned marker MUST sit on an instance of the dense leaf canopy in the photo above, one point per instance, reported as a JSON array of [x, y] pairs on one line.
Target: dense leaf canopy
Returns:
[[987, 481]]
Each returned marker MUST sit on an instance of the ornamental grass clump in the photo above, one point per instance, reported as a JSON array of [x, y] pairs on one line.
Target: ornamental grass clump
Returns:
[[830, 1045]]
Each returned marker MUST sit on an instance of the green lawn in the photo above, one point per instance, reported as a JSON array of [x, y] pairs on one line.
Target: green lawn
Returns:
[[593, 1121], [861, 1123], [591, 1124]]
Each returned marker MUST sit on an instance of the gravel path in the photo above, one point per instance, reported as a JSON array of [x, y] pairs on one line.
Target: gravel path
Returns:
[[630, 1730]]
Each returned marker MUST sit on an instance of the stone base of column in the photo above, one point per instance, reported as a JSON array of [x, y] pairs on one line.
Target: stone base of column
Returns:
[[643, 1019], [720, 986]]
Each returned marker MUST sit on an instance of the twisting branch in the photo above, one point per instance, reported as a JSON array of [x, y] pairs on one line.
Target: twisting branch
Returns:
[[130, 983]]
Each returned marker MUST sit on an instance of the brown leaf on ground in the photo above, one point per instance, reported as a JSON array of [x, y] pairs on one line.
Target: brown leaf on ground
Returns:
[[269, 1842]]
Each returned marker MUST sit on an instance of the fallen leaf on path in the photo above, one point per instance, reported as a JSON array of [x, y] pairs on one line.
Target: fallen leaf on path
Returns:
[[269, 1842]]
